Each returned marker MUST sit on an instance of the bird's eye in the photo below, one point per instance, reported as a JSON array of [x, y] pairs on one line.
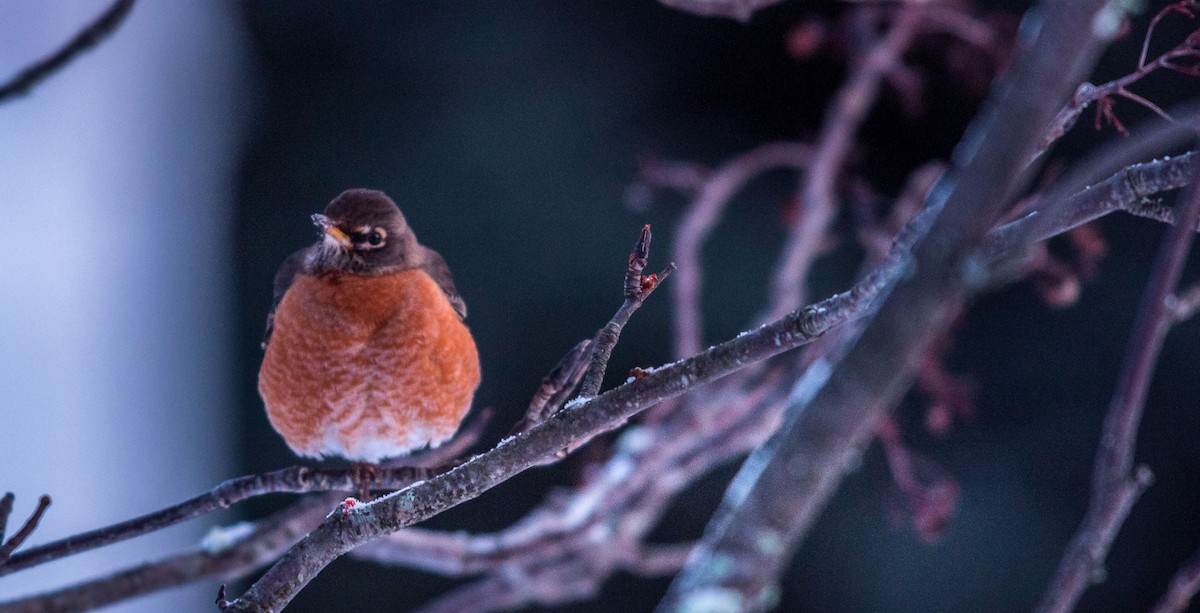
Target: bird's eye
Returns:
[[374, 238]]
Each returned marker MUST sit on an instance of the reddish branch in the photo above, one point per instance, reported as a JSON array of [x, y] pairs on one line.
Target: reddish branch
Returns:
[[1116, 484], [1102, 95], [92, 35], [928, 495]]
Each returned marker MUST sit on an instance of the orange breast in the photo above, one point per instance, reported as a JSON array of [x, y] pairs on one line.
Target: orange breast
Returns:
[[367, 367]]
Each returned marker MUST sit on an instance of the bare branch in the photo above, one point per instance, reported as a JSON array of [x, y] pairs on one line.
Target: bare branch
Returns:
[[739, 10], [89, 37], [6, 507], [1116, 486], [556, 386], [228, 553], [291, 480], [783, 485], [570, 426], [1086, 93], [818, 200], [25, 530], [698, 222], [1182, 589], [637, 288]]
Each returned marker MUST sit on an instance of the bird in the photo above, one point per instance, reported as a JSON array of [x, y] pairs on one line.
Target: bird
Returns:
[[366, 353]]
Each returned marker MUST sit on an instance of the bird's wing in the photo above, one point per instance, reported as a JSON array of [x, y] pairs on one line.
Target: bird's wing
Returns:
[[283, 280], [435, 267]]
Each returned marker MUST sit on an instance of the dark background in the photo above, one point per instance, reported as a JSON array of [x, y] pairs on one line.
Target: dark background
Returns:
[[508, 133]]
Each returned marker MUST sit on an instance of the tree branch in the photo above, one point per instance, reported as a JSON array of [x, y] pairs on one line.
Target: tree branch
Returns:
[[783, 485], [1182, 589], [24, 531], [228, 553], [738, 10], [90, 36], [6, 508], [1116, 486], [1086, 93], [699, 219], [818, 200], [290, 480], [637, 288], [670, 464], [574, 424]]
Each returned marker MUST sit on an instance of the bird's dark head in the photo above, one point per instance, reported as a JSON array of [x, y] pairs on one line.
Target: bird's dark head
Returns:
[[362, 232]]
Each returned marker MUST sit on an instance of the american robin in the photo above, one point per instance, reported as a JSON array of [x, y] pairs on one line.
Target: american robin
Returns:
[[367, 356]]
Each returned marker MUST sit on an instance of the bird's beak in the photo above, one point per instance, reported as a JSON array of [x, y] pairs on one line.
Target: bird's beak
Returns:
[[331, 232]]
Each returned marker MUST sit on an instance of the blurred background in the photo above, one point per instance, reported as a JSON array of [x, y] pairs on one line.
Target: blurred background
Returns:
[[150, 190]]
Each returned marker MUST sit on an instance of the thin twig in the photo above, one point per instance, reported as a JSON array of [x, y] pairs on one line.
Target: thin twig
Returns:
[[637, 288], [556, 386], [90, 36], [6, 507], [818, 200], [1088, 93], [1116, 486], [701, 216], [1175, 7], [1182, 589], [739, 10], [781, 488], [290, 480], [243, 549], [24, 531]]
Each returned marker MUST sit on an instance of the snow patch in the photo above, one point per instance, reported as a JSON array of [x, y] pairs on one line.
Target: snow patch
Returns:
[[220, 538]]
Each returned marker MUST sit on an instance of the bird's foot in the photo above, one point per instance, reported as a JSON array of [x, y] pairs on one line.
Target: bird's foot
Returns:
[[365, 475]]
